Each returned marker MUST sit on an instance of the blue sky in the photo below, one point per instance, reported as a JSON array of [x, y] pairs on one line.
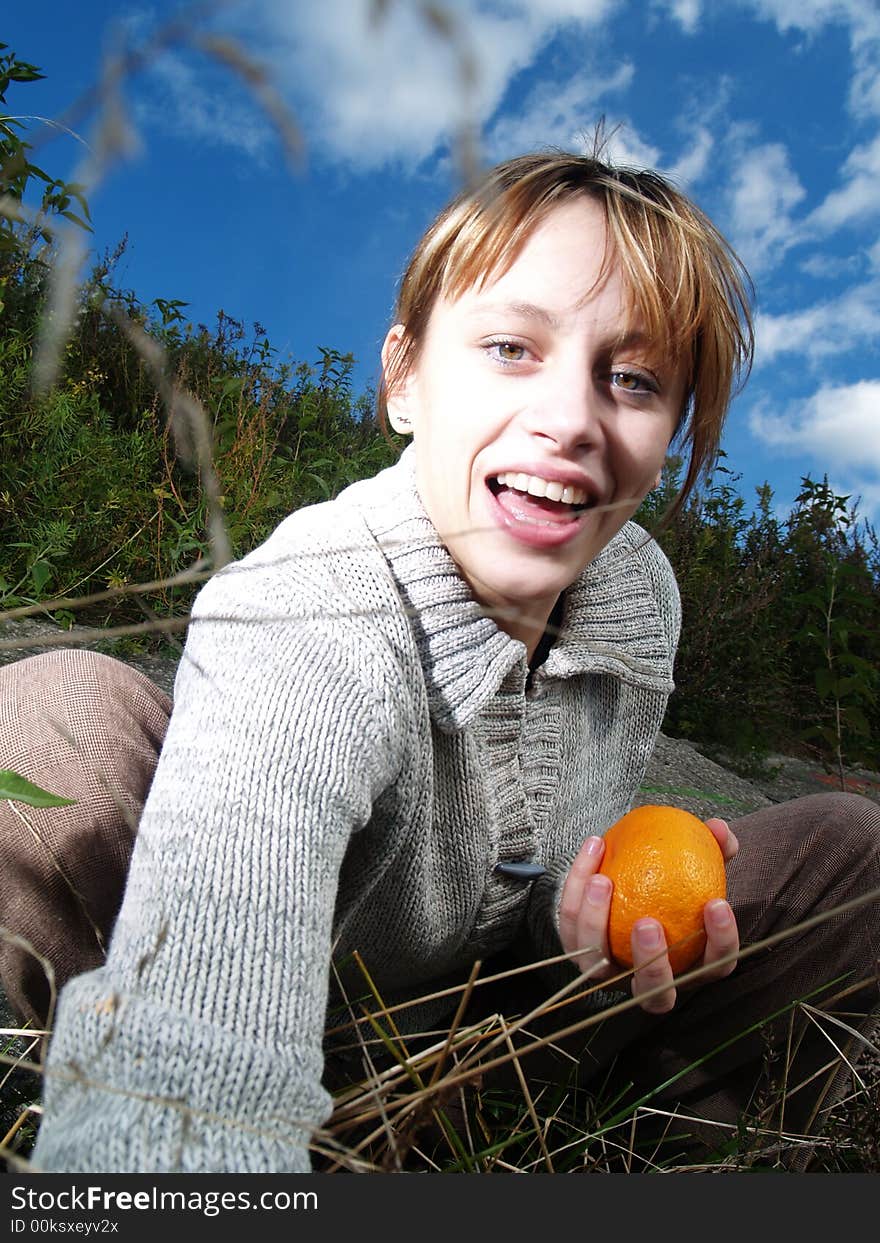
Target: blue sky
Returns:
[[766, 111]]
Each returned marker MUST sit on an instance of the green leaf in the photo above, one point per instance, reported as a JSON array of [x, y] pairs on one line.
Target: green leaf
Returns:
[[854, 685], [23, 71], [41, 572], [826, 683], [34, 171], [858, 722], [12, 786], [71, 215]]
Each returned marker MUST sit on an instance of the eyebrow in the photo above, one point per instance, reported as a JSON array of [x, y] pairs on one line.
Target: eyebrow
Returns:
[[524, 310], [634, 338]]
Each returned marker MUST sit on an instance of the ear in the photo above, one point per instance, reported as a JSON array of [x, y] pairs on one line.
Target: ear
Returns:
[[657, 478], [397, 396]]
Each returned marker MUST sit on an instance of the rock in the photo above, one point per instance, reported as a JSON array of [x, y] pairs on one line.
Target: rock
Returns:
[[679, 775]]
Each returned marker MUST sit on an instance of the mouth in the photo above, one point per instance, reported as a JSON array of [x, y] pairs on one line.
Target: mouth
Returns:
[[523, 495], [538, 512]]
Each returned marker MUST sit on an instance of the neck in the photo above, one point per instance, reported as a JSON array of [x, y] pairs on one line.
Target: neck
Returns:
[[526, 622]]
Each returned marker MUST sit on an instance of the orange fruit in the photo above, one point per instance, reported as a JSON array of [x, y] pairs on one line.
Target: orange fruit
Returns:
[[664, 863]]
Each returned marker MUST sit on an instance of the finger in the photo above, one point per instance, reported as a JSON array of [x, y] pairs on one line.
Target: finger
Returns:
[[584, 867], [722, 937], [652, 968], [592, 926], [724, 837]]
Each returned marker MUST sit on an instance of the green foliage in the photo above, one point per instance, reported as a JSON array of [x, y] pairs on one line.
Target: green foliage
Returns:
[[845, 680], [25, 241], [780, 643], [96, 492]]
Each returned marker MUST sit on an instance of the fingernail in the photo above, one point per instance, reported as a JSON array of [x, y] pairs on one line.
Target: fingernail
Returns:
[[650, 935], [593, 846], [599, 890], [718, 913]]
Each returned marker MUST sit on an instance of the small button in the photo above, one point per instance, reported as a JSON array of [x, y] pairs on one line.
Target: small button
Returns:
[[521, 871]]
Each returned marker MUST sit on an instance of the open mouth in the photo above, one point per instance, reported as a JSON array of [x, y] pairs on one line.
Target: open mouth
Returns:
[[542, 495]]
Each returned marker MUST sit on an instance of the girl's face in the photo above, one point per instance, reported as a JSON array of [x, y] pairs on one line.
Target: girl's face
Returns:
[[541, 418]]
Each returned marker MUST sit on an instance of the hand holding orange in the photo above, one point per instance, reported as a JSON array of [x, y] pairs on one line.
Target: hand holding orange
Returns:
[[664, 863]]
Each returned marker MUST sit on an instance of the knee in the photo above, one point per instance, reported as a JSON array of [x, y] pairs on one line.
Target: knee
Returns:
[[70, 669], [87, 727], [73, 692], [83, 719], [823, 841], [847, 845], [851, 821]]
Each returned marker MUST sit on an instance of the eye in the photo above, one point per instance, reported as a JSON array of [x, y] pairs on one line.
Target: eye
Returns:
[[506, 351], [633, 381]]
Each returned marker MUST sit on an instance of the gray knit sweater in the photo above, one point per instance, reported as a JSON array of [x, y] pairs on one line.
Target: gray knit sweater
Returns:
[[353, 748]]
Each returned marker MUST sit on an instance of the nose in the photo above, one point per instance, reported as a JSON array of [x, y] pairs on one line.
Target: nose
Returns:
[[569, 409]]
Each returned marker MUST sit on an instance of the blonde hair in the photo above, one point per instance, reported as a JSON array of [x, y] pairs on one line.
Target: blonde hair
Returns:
[[686, 284]]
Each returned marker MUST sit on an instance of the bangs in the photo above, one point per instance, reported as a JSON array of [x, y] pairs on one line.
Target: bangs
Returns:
[[661, 254]]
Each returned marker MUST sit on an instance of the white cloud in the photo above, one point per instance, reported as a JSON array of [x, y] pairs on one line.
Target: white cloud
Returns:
[[811, 15], [591, 11], [864, 92], [691, 166], [686, 12], [190, 95], [185, 102], [828, 328], [627, 147], [862, 17], [764, 190], [837, 428], [858, 198], [554, 115], [395, 89], [825, 266]]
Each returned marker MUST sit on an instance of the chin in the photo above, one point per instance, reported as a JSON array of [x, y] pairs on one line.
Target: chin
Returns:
[[525, 594]]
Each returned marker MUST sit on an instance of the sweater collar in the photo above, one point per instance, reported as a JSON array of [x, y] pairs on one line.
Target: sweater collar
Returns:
[[611, 621]]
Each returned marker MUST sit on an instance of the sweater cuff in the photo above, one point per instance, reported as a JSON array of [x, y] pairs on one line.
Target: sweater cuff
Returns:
[[174, 1070]]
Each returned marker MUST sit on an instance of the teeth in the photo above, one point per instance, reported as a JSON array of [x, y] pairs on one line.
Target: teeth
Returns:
[[536, 486]]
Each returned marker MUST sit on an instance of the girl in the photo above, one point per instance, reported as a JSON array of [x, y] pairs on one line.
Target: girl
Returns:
[[403, 724]]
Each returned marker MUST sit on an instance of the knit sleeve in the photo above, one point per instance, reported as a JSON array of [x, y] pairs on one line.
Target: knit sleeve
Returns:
[[197, 1047]]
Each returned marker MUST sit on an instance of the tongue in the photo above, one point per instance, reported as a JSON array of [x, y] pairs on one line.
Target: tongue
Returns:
[[514, 502]]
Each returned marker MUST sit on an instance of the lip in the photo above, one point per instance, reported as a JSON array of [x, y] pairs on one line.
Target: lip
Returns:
[[553, 472]]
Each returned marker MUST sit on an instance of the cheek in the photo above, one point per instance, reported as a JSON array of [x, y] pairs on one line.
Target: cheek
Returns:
[[644, 443]]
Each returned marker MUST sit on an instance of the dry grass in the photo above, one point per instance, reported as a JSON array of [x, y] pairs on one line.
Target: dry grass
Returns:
[[485, 1098], [500, 1094]]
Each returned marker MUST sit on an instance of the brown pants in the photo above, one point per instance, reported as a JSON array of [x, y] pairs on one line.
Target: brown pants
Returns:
[[90, 728]]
